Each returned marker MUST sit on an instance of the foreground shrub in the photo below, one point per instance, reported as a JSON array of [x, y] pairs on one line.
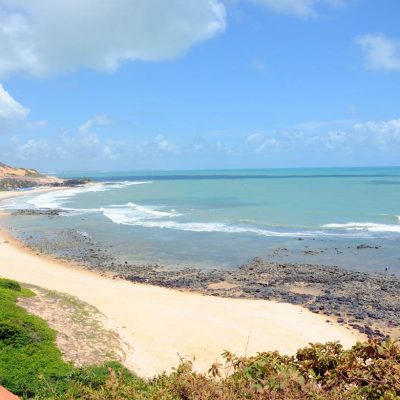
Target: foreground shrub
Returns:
[[368, 371]]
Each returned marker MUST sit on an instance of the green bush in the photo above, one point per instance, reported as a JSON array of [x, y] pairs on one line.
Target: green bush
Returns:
[[30, 362], [9, 284]]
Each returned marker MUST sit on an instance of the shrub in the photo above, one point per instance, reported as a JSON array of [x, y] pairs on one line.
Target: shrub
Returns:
[[30, 362], [9, 284]]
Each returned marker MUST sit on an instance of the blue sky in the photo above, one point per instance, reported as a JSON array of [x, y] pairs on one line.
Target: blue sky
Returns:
[[151, 84]]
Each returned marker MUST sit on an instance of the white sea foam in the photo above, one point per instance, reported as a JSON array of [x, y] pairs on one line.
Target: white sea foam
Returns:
[[365, 226], [159, 217], [222, 228], [57, 199], [135, 215]]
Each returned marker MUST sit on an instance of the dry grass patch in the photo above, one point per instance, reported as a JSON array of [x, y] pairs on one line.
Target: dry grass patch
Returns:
[[82, 333]]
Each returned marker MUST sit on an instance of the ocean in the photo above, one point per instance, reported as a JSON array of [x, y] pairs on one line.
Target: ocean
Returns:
[[349, 217]]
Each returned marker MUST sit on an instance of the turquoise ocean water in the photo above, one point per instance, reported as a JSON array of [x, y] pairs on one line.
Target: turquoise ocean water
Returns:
[[224, 218]]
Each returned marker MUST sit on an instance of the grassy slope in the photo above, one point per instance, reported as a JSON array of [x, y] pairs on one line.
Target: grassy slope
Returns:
[[31, 365], [29, 359]]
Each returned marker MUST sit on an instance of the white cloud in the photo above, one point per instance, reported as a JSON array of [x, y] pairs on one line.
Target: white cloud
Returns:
[[269, 144], [380, 51], [164, 145], [331, 140], [255, 137], [301, 8], [291, 135], [85, 142], [112, 149], [88, 137], [385, 134], [98, 120], [10, 109], [36, 124], [45, 36], [337, 136], [377, 135], [32, 149], [259, 142]]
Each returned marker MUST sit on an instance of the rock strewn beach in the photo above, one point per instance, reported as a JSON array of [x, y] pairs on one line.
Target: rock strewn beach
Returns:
[[367, 302]]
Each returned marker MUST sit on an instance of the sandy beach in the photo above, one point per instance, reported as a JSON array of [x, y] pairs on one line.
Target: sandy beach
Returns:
[[161, 325]]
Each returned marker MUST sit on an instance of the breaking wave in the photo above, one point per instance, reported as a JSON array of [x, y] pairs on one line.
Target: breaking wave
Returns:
[[162, 217], [365, 227]]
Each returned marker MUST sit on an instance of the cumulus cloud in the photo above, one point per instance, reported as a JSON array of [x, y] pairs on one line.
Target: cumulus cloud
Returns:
[[269, 144], [45, 36], [259, 142], [301, 8], [385, 134], [32, 149], [331, 140], [164, 145], [380, 51], [88, 137], [10, 109], [85, 143], [254, 137], [98, 120], [112, 149]]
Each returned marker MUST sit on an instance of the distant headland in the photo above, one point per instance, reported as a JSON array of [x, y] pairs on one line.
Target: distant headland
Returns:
[[12, 178]]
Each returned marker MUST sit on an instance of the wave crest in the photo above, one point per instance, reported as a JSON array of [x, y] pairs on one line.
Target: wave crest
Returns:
[[365, 226]]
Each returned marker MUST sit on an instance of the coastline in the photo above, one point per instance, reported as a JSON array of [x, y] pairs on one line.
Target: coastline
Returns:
[[8, 194], [162, 325]]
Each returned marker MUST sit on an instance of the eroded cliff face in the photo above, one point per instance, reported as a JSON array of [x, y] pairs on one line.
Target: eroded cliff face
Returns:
[[10, 172], [14, 178]]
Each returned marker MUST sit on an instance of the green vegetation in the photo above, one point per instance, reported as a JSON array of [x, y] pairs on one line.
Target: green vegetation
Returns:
[[31, 366], [28, 355]]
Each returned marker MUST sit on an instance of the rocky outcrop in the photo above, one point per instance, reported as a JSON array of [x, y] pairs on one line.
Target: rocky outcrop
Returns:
[[17, 178], [11, 183], [20, 178]]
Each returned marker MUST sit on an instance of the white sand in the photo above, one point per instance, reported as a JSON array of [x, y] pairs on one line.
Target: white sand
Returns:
[[161, 324]]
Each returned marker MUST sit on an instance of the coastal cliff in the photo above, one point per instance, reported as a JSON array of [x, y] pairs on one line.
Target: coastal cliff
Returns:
[[19, 178]]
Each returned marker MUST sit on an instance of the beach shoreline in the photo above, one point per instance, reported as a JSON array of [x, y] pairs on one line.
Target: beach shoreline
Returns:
[[160, 323], [367, 302]]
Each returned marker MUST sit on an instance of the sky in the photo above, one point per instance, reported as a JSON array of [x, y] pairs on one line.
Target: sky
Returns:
[[96, 85]]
